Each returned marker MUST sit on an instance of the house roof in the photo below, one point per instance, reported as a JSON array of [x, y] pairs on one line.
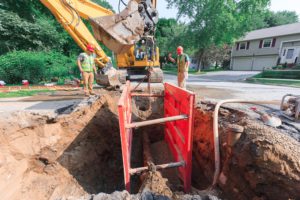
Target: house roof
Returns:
[[288, 29]]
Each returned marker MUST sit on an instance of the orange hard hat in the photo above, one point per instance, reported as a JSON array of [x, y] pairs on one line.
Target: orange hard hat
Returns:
[[179, 50], [90, 47]]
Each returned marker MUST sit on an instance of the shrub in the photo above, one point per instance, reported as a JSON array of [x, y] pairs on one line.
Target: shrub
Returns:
[[297, 67], [278, 67], [281, 74], [35, 66]]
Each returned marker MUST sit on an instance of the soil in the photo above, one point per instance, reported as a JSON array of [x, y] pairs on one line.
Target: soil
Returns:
[[258, 162], [55, 96], [70, 155], [77, 155]]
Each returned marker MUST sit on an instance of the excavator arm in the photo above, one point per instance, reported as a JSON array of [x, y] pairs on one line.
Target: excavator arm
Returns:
[[69, 14], [118, 32]]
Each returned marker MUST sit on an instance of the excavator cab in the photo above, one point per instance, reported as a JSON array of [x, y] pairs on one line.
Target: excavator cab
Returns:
[[145, 49], [141, 62]]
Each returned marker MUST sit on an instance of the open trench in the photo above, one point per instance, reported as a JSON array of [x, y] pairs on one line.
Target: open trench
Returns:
[[78, 154]]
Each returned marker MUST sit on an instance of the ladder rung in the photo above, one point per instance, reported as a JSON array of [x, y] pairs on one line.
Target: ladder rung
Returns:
[[158, 167], [156, 121], [146, 95]]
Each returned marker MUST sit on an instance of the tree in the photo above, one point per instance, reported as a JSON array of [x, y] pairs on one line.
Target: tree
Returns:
[[280, 18], [271, 19], [166, 31], [18, 33], [218, 55], [29, 25], [32, 39], [217, 22], [103, 3]]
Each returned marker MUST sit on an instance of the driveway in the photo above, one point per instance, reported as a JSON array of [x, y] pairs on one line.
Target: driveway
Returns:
[[231, 84], [221, 76]]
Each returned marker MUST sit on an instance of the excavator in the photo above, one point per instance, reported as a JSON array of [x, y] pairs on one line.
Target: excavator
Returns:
[[128, 34]]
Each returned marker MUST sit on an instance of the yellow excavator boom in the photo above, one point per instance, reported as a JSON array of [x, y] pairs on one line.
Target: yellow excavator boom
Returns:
[[69, 13]]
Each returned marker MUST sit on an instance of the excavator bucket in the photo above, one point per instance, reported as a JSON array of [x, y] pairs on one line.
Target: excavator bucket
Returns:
[[110, 77], [119, 32]]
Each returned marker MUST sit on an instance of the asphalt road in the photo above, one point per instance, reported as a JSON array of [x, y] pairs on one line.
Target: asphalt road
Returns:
[[47, 104], [231, 84], [212, 86]]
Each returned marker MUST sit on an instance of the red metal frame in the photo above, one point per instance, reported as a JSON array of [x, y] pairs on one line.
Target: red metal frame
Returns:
[[124, 109], [178, 134]]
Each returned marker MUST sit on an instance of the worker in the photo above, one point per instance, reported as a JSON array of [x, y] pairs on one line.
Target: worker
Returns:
[[183, 67], [87, 67]]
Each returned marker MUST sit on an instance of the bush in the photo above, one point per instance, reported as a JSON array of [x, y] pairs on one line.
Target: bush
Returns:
[[297, 67], [35, 66], [281, 74], [170, 65], [278, 67], [20, 34]]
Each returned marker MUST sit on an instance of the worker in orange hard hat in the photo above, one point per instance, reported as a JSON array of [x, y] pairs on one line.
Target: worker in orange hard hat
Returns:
[[87, 67], [183, 63]]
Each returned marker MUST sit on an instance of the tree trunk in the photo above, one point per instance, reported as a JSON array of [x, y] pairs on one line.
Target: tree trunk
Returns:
[[199, 65]]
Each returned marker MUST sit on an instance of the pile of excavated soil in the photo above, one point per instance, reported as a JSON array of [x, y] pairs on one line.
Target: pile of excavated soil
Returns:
[[257, 161], [69, 155]]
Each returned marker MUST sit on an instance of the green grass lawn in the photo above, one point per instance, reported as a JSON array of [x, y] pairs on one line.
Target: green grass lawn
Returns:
[[21, 93], [277, 77], [271, 81]]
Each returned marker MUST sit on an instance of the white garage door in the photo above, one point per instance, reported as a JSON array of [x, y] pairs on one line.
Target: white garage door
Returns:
[[242, 64], [264, 62]]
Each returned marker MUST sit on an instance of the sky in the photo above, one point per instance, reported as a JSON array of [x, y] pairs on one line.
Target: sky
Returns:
[[276, 5]]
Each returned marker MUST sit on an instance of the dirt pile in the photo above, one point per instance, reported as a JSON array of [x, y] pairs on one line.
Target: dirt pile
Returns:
[[69, 155], [257, 161]]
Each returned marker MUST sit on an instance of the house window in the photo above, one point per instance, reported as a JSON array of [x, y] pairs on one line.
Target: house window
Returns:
[[290, 54], [267, 43], [243, 45], [284, 52]]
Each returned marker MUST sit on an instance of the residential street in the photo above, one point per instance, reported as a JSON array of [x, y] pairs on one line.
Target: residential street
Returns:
[[230, 84]]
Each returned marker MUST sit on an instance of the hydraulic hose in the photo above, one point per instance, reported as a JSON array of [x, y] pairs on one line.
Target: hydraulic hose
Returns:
[[216, 132]]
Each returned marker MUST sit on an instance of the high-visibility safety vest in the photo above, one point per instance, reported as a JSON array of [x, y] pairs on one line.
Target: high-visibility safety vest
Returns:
[[88, 62], [181, 62]]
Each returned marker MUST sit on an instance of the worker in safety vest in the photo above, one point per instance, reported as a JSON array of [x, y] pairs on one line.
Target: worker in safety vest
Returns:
[[87, 67], [183, 67]]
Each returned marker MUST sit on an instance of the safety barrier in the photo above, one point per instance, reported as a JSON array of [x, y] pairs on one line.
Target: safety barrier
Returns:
[[178, 134], [178, 119]]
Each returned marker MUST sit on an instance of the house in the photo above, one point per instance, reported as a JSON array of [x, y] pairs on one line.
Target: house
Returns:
[[267, 47]]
